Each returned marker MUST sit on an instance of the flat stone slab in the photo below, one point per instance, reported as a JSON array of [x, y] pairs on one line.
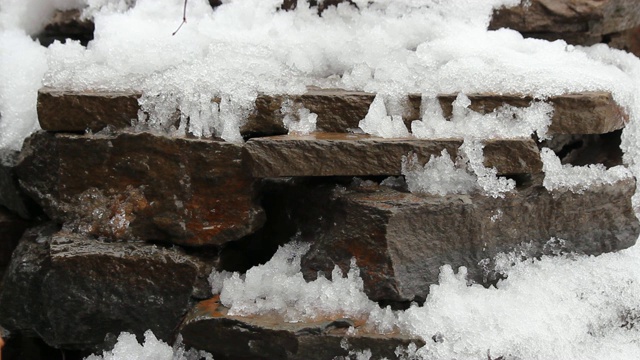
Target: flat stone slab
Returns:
[[209, 327], [580, 22], [142, 186], [76, 292], [340, 154], [337, 110], [400, 240]]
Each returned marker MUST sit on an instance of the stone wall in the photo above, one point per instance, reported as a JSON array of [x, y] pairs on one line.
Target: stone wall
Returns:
[[115, 230]]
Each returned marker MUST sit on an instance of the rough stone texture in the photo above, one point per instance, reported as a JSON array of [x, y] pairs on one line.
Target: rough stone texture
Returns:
[[61, 110], [185, 191], [11, 195], [338, 110], [67, 25], [339, 154], [400, 240], [77, 293], [268, 337], [628, 40], [11, 229], [580, 22]]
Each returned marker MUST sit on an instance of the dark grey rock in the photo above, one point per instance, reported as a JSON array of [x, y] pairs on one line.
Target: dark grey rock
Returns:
[[73, 291]]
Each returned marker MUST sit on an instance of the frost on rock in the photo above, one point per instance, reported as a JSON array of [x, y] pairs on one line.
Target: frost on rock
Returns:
[[504, 122], [278, 286], [378, 123], [298, 120], [127, 347], [439, 176], [577, 178]]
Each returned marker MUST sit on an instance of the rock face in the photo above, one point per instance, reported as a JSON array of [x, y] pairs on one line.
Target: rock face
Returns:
[[74, 291], [269, 337], [337, 110], [184, 191], [582, 22], [400, 240], [336, 154], [11, 195], [11, 229]]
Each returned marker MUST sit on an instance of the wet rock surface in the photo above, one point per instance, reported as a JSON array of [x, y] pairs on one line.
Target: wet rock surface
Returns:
[[80, 293], [209, 327], [401, 240], [179, 190]]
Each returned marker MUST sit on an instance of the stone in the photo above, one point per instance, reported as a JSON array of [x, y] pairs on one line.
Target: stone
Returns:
[[338, 110], [11, 195], [579, 113], [400, 240], [69, 111], [11, 229], [67, 24], [580, 22], [209, 327], [77, 292], [340, 154], [185, 191]]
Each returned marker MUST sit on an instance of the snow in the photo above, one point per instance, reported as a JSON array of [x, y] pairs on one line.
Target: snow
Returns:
[[440, 176], [128, 348], [564, 307], [298, 119], [578, 178]]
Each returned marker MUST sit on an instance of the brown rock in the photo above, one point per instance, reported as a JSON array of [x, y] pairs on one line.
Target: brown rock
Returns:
[[208, 327], [337, 110], [73, 291], [401, 240], [582, 113], [336, 154], [61, 110], [185, 191], [580, 22]]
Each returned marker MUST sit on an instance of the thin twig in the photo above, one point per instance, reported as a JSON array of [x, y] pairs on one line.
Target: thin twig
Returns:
[[184, 18]]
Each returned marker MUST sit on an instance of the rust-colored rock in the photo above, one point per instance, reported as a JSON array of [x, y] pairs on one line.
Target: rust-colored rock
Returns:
[[582, 22], [269, 337], [336, 154], [337, 110], [75, 292], [142, 186], [400, 240]]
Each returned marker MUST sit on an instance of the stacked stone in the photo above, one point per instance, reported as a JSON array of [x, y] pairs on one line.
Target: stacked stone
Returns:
[[135, 221]]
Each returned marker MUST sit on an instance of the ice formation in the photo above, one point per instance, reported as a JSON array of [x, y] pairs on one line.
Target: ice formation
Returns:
[[377, 122], [298, 119], [504, 122], [440, 176], [255, 293], [577, 178]]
